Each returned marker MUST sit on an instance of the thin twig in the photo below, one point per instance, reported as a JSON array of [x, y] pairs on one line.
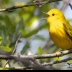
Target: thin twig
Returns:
[[37, 65], [13, 50], [56, 62], [16, 45], [70, 5], [27, 67], [20, 68], [27, 5]]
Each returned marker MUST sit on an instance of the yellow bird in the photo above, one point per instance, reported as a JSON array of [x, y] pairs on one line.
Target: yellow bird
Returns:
[[59, 29]]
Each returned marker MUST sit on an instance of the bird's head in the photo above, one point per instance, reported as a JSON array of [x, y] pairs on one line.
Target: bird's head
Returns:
[[54, 15]]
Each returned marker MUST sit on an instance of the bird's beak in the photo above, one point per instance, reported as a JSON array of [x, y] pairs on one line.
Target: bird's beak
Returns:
[[46, 17]]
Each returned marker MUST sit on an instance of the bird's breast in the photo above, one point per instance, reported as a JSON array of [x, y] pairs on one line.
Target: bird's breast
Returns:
[[59, 36]]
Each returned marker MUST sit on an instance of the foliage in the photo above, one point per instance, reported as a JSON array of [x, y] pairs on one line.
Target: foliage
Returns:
[[26, 21], [6, 68], [20, 21], [4, 47]]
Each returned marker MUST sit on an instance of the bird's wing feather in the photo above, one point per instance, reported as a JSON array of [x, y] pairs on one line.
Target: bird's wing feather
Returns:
[[68, 29]]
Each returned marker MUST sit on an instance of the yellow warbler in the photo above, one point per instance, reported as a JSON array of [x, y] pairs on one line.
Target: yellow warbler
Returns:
[[59, 29]]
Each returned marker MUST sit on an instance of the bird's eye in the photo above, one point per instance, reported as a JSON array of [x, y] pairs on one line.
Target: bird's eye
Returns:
[[53, 14]]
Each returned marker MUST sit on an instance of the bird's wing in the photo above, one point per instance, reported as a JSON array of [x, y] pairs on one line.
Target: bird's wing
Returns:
[[68, 29]]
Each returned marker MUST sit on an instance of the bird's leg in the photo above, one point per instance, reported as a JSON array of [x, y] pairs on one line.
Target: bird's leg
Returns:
[[58, 52]]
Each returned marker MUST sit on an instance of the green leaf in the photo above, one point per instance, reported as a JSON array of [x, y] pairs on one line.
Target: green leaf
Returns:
[[6, 1], [39, 51], [5, 68], [0, 39], [31, 33], [7, 21], [23, 31], [8, 49], [38, 37], [9, 25], [25, 48], [1, 17], [25, 16], [20, 25], [13, 44]]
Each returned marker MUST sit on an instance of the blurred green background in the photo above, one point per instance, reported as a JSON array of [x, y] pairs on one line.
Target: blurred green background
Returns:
[[27, 21]]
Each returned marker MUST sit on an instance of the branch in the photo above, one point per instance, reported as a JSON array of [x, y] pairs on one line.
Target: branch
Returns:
[[27, 5], [13, 50], [19, 68], [37, 65], [70, 5], [42, 65], [56, 62], [16, 44], [32, 57], [33, 63]]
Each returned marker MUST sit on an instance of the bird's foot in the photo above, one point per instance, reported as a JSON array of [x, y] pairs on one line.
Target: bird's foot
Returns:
[[57, 53]]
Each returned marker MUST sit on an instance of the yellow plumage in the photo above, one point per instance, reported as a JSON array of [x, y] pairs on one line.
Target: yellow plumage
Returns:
[[59, 29]]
